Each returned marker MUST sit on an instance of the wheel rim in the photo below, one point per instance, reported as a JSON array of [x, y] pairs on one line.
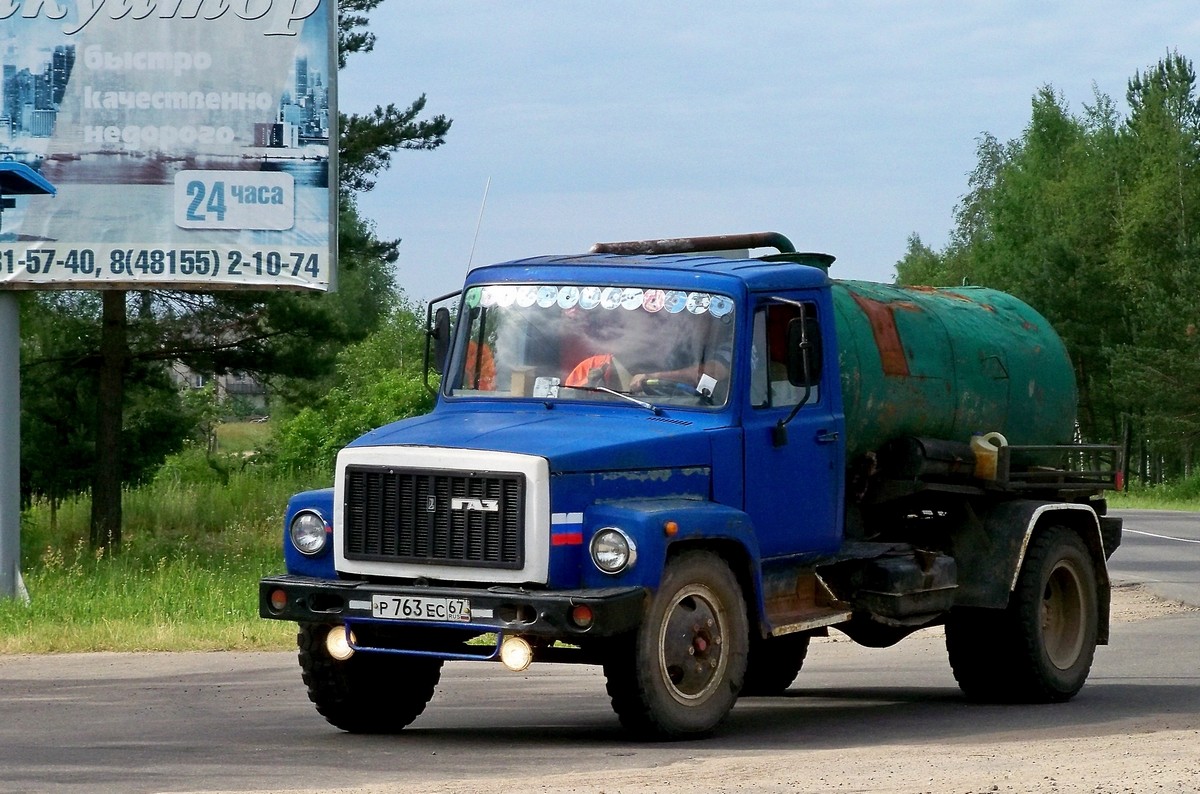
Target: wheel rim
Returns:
[[691, 644], [1063, 609]]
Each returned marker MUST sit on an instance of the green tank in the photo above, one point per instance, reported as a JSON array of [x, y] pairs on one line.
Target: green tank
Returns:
[[948, 364]]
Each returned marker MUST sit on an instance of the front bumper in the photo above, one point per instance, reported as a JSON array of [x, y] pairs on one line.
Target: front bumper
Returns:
[[511, 610]]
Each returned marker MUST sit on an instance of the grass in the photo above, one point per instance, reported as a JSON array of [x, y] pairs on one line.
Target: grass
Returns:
[[239, 437], [185, 578], [1181, 494]]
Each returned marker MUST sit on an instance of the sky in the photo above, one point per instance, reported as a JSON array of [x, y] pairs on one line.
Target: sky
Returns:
[[846, 126]]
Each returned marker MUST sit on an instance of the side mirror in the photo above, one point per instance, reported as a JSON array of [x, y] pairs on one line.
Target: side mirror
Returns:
[[441, 338], [437, 338], [804, 356], [804, 351]]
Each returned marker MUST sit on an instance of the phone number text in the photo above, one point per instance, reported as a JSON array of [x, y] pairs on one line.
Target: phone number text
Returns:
[[145, 262]]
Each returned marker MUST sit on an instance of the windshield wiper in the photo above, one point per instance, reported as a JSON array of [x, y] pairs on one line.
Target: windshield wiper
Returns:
[[642, 403]]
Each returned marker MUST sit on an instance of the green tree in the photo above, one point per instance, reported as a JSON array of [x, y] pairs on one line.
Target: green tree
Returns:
[[378, 380], [922, 265], [58, 423], [1159, 262]]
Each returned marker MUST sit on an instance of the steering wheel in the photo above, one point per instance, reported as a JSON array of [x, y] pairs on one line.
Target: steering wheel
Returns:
[[665, 387]]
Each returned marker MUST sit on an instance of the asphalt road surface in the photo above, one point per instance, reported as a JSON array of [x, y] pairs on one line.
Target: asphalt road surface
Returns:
[[1161, 549], [856, 719]]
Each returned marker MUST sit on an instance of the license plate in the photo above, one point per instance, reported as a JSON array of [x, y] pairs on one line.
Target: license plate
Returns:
[[454, 610]]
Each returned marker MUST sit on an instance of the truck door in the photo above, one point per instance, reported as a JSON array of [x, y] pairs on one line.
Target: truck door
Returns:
[[794, 485]]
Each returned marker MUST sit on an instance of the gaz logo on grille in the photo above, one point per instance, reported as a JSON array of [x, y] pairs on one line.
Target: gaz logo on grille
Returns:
[[471, 503], [431, 505]]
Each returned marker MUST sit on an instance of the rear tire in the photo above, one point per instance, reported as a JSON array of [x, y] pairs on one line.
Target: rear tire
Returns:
[[369, 692], [980, 647], [679, 674], [1040, 649], [774, 664]]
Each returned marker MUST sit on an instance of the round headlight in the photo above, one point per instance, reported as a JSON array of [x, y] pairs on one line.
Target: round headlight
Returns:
[[308, 532], [612, 550]]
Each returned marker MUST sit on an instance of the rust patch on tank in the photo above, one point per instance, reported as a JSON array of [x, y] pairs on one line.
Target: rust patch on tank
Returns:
[[940, 292], [887, 336]]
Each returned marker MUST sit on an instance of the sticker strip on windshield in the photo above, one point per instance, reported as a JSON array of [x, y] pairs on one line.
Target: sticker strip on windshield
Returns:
[[569, 297]]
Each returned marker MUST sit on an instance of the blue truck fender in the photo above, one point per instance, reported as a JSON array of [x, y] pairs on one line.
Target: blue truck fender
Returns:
[[663, 527], [320, 565]]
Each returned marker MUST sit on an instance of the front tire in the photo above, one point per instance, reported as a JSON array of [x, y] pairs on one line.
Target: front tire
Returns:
[[369, 692], [774, 664], [679, 675], [1039, 649]]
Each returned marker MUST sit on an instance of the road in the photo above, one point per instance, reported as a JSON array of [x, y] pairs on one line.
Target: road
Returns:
[[1161, 549], [886, 720]]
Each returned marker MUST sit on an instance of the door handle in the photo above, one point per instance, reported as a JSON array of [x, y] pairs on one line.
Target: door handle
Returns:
[[827, 436]]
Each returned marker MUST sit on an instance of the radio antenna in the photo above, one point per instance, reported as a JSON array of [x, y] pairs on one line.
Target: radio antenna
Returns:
[[479, 222]]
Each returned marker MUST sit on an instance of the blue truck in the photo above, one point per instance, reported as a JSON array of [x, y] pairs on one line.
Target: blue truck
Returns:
[[682, 465]]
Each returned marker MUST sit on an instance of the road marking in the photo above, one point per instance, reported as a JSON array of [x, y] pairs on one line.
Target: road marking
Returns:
[[1161, 537]]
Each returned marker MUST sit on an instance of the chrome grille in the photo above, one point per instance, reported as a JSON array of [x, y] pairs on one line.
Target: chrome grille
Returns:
[[434, 517]]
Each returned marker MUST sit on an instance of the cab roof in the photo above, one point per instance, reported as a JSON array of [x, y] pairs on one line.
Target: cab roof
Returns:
[[755, 274]]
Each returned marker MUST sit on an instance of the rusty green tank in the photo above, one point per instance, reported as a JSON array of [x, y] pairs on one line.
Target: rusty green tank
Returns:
[[949, 363]]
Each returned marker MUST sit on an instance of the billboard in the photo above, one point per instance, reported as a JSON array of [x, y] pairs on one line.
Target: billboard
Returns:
[[186, 143]]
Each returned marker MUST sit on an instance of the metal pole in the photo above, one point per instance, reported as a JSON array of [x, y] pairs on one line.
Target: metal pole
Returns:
[[10, 444]]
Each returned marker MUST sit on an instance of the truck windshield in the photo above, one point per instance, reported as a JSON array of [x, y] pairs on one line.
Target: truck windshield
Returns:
[[585, 342]]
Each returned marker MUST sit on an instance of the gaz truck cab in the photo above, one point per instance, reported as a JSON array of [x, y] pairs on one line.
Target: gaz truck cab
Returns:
[[683, 466]]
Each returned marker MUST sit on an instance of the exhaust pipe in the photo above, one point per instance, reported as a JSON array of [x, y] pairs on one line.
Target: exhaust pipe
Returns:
[[691, 245]]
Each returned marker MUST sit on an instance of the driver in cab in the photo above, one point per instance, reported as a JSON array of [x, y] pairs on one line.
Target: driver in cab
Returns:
[[660, 355]]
